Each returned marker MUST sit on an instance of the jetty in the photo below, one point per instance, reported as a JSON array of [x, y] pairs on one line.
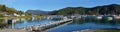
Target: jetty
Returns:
[[42, 27]]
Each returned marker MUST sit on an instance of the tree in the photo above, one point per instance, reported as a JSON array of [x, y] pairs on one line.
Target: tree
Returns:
[[3, 8], [11, 10], [20, 12], [98, 10]]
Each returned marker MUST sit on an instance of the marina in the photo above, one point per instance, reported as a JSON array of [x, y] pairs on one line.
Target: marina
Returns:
[[46, 24]]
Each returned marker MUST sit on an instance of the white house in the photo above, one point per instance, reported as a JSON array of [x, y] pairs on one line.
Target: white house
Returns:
[[16, 14]]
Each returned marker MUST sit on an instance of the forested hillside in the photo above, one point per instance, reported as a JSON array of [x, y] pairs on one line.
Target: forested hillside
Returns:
[[8, 10], [98, 10]]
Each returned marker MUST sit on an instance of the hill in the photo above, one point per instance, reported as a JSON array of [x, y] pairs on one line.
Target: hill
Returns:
[[98, 10], [37, 12], [4, 10]]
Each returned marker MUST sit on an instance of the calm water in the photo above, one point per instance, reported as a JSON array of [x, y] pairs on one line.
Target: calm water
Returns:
[[75, 25], [25, 23], [82, 24]]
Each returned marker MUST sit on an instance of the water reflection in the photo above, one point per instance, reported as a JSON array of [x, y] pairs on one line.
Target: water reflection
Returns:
[[88, 23], [3, 23], [30, 23], [10, 23], [77, 24], [97, 21]]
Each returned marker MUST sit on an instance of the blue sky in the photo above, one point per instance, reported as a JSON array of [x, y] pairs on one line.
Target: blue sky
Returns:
[[49, 5]]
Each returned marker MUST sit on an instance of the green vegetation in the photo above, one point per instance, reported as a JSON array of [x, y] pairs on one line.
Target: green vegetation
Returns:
[[7, 12], [10, 13], [3, 8], [1, 15], [98, 10]]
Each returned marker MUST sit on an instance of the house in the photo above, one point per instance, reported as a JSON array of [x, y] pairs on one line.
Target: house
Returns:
[[4, 13], [23, 14], [15, 14]]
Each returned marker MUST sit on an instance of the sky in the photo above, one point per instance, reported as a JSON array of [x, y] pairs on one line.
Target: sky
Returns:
[[50, 5]]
